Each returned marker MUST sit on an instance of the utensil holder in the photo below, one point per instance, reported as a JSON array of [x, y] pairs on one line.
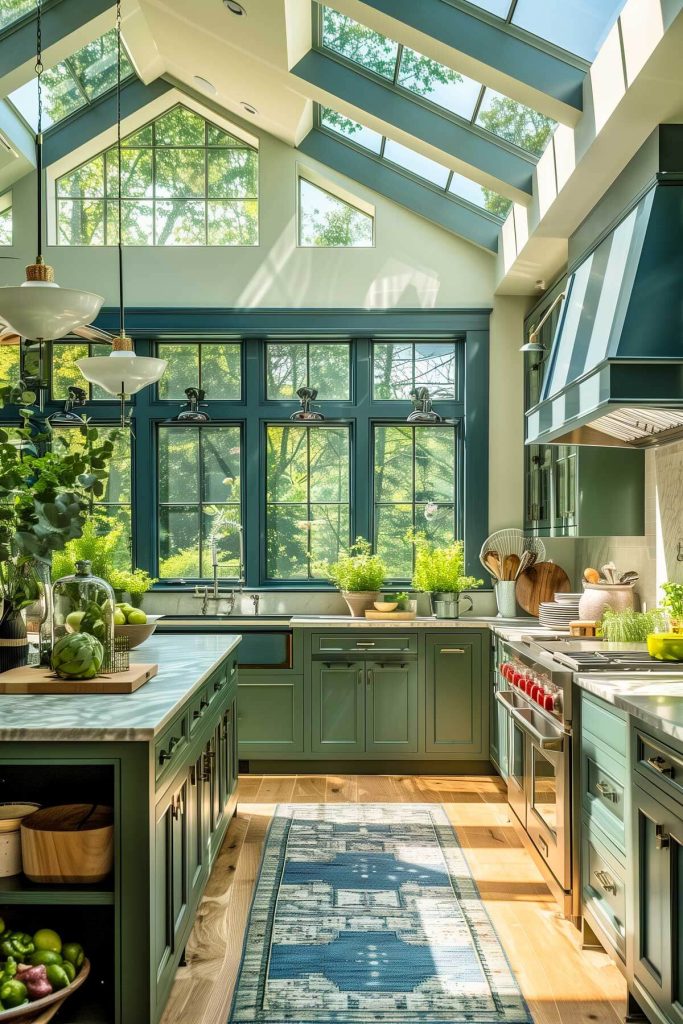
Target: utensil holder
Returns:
[[505, 599]]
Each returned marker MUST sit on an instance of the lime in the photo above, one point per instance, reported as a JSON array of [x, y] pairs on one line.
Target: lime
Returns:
[[45, 956], [69, 970], [119, 617], [47, 939], [137, 617], [73, 953]]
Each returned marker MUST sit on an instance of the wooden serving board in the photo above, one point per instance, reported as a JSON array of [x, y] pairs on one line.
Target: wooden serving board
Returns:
[[539, 583], [34, 679], [370, 613]]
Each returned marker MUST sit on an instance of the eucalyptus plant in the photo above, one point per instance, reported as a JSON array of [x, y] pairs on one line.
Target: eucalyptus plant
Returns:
[[45, 493]]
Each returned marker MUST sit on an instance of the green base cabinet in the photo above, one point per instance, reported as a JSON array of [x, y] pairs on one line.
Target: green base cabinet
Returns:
[[391, 708], [338, 708], [455, 696], [271, 714]]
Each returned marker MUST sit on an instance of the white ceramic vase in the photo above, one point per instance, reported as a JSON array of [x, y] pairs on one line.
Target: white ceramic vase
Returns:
[[598, 596], [359, 600]]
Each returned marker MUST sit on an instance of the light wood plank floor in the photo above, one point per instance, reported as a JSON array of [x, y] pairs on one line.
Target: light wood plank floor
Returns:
[[562, 983]]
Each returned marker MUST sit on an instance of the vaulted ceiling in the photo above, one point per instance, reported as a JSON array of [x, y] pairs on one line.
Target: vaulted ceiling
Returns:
[[460, 111]]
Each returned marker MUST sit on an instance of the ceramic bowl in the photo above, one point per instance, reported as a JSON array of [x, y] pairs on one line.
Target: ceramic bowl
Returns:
[[138, 634], [386, 606]]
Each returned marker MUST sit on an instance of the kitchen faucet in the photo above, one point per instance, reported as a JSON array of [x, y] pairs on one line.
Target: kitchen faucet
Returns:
[[215, 592]]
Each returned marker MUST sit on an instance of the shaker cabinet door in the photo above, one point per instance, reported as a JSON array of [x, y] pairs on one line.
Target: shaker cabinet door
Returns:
[[454, 695], [391, 708], [338, 707]]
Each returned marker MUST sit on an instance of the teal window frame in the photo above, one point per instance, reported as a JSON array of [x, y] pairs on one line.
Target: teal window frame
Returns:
[[254, 327]]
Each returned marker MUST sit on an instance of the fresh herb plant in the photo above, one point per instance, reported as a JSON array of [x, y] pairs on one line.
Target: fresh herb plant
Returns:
[[673, 599], [631, 627], [440, 570], [357, 570]]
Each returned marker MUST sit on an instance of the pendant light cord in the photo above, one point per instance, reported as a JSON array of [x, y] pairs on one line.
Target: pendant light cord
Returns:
[[39, 131], [122, 315]]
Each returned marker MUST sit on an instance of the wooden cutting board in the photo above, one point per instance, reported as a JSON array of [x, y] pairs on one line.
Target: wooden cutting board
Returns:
[[34, 679], [538, 583], [402, 616]]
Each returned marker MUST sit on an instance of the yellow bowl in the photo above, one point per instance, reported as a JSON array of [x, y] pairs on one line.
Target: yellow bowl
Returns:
[[665, 646], [386, 606]]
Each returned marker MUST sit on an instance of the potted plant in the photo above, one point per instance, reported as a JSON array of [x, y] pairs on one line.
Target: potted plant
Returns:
[[358, 574], [673, 604], [45, 492], [439, 572], [135, 584]]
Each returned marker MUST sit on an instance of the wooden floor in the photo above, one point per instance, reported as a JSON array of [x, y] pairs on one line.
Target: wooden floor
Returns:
[[562, 983]]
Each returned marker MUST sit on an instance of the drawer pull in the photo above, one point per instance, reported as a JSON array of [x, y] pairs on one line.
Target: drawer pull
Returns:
[[166, 755], [660, 765], [365, 643], [604, 789], [661, 838], [606, 881], [452, 650]]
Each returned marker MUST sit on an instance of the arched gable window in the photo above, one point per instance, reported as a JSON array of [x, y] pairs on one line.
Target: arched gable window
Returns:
[[185, 181]]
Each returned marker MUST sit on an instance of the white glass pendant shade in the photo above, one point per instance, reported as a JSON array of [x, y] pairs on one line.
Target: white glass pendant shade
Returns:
[[122, 372], [41, 310]]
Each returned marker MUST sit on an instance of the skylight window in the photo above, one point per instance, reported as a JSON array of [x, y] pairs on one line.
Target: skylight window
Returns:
[[73, 83], [12, 10], [578, 26], [514, 122], [357, 133], [416, 163], [358, 43], [438, 83]]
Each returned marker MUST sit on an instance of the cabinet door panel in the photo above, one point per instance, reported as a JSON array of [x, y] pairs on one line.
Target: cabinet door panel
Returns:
[[197, 852], [270, 715], [338, 707], [391, 708], [652, 895], [163, 925], [179, 873], [454, 695]]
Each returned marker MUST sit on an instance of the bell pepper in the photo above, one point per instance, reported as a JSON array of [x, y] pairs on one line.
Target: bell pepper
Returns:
[[17, 944], [9, 970], [70, 970], [73, 953], [57, 976], [13, 993]]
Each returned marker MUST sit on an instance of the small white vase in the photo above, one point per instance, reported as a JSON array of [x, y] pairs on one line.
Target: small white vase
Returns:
[[505, 599], [598, 596], [359, 600]]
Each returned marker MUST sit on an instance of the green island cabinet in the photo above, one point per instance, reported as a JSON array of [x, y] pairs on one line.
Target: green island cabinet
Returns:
[[173, 790], [365, 694]]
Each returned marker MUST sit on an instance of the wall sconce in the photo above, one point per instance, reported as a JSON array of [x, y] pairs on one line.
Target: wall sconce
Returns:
[[191, 411], [77, 398], [306, 397], [422, 407], [534, 344]]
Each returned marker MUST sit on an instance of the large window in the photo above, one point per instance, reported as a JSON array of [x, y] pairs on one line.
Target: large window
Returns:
[[65, 373], [200, 474], [415, 489], [215, 367], [401, 366], [112, 512], [6, 219], [12, 10], [307, 498], [326, 221], [291, 365], [185, 181]]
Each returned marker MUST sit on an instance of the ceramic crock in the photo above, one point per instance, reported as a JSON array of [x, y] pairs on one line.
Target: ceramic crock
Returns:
[[598, 596], [359, 600]]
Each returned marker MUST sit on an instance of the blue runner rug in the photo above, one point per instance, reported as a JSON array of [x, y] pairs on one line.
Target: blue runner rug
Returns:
[[369, 913]]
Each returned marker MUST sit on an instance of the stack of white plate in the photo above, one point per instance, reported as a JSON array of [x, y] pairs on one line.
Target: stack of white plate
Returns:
[[559, 613]]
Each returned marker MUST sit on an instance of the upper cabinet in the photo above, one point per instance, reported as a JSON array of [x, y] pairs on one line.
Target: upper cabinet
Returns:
[[576, 490]]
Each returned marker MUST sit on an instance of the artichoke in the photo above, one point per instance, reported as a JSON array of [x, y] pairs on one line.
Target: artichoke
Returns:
[[77, 656]]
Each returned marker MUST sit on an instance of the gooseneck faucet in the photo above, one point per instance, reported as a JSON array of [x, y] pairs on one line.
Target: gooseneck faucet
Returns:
[[215, 592]]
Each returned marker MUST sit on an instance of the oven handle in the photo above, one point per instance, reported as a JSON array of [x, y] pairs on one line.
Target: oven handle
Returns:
[[545, 742]]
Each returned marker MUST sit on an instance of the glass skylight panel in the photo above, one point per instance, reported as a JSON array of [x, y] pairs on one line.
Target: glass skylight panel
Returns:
[[416, 163], [498, 7], [351, 130], [12, 10], [514, 122], [438, 83], [358, 43], [579, 26], [73, 83], [467, 189]]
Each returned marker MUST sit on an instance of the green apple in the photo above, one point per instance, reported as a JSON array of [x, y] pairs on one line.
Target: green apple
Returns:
[[137, 617], [119, 617], [73, 621]]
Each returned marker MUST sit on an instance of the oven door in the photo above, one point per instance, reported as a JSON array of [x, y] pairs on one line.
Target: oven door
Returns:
[[517, 755], [547, 763]]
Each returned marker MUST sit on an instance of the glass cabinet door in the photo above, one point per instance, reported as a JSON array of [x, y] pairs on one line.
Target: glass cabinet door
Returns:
[[565, 479], [539, 468]]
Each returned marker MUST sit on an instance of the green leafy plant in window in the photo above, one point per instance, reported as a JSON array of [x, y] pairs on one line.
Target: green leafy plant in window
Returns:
[[673, 604], [135, 583], [440, 570], [358, 573]]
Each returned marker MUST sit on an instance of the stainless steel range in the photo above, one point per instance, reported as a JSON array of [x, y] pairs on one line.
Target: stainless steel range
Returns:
[[534, 686]]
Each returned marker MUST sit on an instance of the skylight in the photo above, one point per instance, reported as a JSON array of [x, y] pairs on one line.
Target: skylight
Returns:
[[438, 84], [578, 26], [12, 10], [410, 162], [73, 83]]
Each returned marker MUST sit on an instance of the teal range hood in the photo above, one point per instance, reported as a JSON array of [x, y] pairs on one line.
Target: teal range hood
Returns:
[[615, 371]]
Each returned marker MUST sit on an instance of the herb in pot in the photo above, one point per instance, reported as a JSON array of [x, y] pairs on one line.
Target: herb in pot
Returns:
[[631, 627], [358, 573], [673, 604], [440, 570]]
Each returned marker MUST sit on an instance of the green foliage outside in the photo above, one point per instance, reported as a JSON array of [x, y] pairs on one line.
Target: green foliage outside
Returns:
[[11, 10], [6, 226], [441, 570], [357, 569], [99, 544], [327, 221]]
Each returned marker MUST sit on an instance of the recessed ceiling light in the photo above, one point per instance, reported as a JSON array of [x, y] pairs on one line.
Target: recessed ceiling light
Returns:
[[248, 107], [205, 84], [235, 7]]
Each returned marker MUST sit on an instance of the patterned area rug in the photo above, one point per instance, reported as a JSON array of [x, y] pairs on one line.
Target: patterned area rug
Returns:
[[368, 913]]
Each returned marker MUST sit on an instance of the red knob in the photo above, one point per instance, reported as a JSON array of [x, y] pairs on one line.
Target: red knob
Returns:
[[540, 697], [535, 690], [549, 702], [505, 670], [528, 684]]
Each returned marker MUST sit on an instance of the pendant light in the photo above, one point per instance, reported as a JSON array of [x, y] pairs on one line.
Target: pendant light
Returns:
[[39, 309], [121, 373]]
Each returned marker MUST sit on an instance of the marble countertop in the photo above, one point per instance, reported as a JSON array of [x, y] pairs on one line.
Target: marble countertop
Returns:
[[185, 662], [421, 622], [655, 700]]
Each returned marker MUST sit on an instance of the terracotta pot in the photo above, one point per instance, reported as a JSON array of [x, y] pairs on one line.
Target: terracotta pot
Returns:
[[13, 642], [359, 600], [598, 596]]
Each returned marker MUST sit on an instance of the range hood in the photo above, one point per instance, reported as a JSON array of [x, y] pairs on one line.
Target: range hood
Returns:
[[615, 370]]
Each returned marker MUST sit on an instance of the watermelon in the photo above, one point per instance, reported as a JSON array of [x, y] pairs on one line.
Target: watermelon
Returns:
[[77, 656]]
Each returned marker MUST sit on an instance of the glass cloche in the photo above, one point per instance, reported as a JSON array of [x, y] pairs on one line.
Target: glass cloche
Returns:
[[84, 603]]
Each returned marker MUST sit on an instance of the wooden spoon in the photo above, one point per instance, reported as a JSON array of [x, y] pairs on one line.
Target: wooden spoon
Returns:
[[525, 562], [510, 566], [492, 563]]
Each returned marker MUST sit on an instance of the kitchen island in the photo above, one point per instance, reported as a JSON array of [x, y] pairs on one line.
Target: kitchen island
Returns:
[[165, 759]]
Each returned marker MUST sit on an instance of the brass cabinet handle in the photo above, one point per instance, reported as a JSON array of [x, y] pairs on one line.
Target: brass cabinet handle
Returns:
[[604, 789], [661, 838], [452, 650], [606, 881], [661, 765]]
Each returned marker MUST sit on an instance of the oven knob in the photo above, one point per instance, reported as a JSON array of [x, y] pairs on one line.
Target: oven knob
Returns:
[[549, 702], [505, 670], [517, 678], [536, 691], [528, 685], [541, 696]]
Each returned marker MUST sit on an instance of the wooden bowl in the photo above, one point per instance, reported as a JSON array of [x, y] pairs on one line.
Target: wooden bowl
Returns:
[[43, 1009], [71, 844], [386, 606], [137, 634]]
